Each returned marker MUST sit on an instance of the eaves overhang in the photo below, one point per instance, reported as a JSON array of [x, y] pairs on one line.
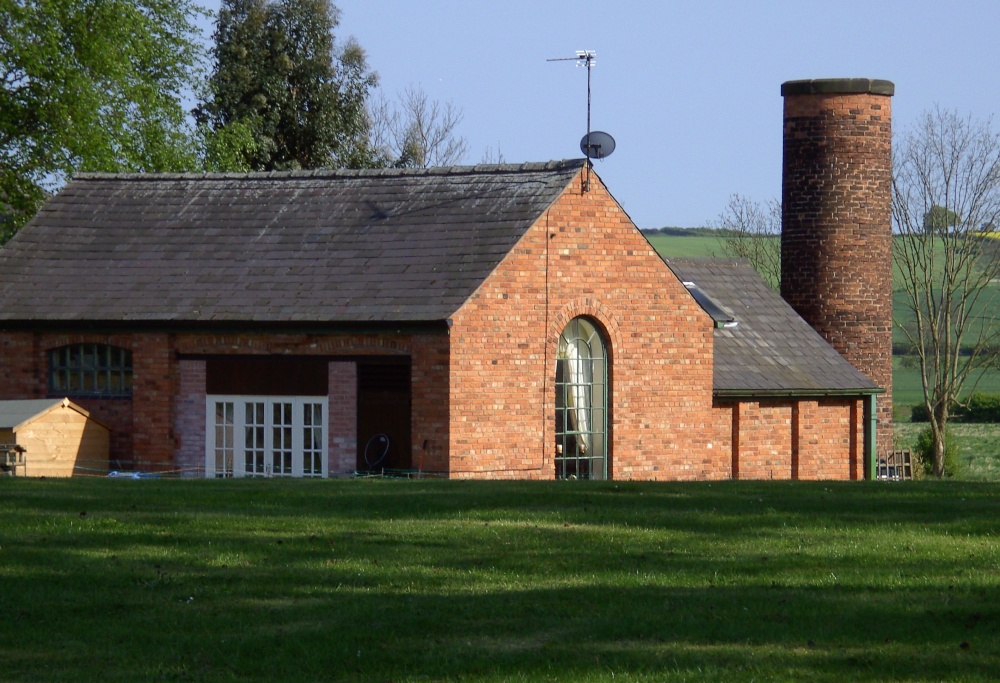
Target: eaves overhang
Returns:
[[737, 394], [230, 326]]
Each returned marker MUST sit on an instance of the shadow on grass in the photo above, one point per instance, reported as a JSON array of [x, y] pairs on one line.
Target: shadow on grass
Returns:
[[471, 581]]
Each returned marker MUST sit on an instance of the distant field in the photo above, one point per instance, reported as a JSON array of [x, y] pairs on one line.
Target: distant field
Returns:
[[696, 246], [907, 390], [684, 246], [988, 301], [702, 245]]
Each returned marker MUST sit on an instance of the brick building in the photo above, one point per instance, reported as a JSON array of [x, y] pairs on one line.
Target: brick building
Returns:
[[489, 321]]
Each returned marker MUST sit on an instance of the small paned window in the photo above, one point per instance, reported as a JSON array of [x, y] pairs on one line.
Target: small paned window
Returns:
[[90, 369]]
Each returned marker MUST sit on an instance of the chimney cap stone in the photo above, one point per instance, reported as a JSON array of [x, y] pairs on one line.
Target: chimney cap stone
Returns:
[[838, 86]]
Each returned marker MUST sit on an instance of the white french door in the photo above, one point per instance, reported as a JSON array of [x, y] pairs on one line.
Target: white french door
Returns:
[[265, 436]]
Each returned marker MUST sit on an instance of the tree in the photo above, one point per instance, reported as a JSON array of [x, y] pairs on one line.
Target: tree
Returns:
[[752, 231], [940, 218], [417, 132], [279, 72], [91, 85], [227, 149], [946, 185]]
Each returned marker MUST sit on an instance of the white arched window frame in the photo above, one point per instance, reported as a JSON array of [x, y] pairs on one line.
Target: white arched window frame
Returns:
[[581, 402]]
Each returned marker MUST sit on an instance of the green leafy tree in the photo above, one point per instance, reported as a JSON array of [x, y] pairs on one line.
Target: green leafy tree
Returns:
[[91, 85], [227, 149], [280, 74], [946, 185]]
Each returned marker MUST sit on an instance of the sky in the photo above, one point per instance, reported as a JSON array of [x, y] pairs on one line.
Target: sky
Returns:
[[689, 89]]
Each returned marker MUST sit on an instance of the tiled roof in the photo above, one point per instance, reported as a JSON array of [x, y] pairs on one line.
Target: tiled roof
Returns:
[[771, 350], [309, 246]]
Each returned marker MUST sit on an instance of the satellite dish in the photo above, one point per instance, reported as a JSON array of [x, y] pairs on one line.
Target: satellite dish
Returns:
[[597, 145]]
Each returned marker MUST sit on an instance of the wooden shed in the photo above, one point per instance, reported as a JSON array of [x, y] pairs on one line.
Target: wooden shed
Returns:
[[59, 438]]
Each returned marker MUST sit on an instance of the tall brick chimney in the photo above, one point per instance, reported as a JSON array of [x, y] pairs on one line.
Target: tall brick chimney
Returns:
[[836, 245]]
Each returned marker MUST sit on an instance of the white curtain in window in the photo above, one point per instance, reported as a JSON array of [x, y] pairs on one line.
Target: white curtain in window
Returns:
[[579, 367]]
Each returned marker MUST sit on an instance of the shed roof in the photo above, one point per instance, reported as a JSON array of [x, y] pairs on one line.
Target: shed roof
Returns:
[[307, 246], [15, 414], [771, 350]]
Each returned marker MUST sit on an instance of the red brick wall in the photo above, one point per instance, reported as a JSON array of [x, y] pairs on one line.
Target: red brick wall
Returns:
[[583, 257], [342, 430], [792, 439], [836, 223], [431, 404], [189, 418], [154, 378], [725, 419], [831, 439], [163, 426], [25, 375], [764, 443]]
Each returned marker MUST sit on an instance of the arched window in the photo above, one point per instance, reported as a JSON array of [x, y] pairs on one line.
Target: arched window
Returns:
[[90, 369], [581, 403]]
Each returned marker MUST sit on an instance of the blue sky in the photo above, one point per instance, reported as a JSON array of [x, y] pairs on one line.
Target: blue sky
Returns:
[[689, 89]]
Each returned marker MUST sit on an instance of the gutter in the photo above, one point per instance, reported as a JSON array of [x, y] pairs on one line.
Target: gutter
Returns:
[[733, 394]]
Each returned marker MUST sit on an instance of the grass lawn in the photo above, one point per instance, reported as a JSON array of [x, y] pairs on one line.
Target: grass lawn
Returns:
[[194, 580]]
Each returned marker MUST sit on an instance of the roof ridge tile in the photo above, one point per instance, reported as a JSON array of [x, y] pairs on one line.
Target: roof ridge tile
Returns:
[[321, 173]]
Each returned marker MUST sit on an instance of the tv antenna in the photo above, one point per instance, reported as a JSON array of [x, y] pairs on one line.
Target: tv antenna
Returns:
[[597, 144]]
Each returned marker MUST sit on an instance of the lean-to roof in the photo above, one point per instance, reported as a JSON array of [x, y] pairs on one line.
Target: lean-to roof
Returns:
[[762, 346]]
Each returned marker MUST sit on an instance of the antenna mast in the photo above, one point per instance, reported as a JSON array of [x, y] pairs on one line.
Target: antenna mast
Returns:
[[588, 58]]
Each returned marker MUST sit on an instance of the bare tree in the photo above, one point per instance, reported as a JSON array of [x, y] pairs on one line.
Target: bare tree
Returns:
[[416, 132], [946, 191], [491, 156], [750, 230]]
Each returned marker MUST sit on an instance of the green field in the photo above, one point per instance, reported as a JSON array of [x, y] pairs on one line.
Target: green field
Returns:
[[694, 246], [983, 308], [374, 580], [908, 392]]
